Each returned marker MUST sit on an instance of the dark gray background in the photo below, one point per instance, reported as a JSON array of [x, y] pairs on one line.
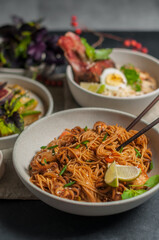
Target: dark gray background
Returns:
[[96, 14]]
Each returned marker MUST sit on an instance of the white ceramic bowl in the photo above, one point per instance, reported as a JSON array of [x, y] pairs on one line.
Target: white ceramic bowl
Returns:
[[40, 92], [42, 132], [132, 105]]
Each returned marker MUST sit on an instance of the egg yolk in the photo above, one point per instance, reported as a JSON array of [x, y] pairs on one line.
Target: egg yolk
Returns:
[[114, 79]]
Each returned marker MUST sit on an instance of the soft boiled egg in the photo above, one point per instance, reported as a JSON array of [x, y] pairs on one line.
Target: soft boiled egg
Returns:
[[113, 79]]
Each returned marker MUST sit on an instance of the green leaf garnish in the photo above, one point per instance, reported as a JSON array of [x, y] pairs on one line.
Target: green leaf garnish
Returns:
[[105, 137], [152, 181], [132, 76], [28, 103], [77, 146], [45, 160], [85, 142], [121, 149], [129, 193], [85, 129], [95, 54], [28, 113], [63, 170], [69, 184], [101, 89], [102, 54], [52, 147], [43, 147], [138, 154]]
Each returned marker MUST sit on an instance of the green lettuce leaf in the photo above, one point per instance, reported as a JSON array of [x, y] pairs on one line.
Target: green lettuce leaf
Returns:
[[95, 54]]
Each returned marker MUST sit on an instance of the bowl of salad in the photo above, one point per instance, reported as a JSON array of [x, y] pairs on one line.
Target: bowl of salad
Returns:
[[22, 102], [120, 79]]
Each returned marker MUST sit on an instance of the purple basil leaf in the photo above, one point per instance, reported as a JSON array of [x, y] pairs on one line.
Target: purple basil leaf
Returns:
[[36, 50], [39, 35]]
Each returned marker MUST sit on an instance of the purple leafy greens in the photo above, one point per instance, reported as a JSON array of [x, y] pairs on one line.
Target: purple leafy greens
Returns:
[[26, 44]]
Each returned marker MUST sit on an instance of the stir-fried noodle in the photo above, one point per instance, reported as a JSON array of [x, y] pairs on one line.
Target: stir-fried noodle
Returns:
[[74, 165]]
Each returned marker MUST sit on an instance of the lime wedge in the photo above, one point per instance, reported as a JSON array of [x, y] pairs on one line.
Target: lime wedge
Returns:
[[101, 89], [127, 173], [120, 172], [93, 87], [111, 176]]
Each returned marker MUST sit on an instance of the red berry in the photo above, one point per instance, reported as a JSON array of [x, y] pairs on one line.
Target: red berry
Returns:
[[133, 43], [127, 43], [144, 50], [74, 18], [138, 45], [78, 31], [74, 24]]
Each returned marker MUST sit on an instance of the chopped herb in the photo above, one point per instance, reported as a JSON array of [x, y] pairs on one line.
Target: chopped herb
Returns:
[[45, 160], [43, 147], [85, 129], [63, 170], [138, 154], [105, 137], [85, 142], [129, 193], [132, 76], [69, 184], [77, 146], [121, 149], [52, 147], [28, 103], [88, 161], [151, 165]]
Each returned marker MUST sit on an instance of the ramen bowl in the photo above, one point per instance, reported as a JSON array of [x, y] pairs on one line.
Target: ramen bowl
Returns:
[[38, 91], [132, 104], [43, 131]]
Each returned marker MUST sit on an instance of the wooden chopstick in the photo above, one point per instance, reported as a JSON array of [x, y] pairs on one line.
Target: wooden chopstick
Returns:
[[135, 121], [142, 131]]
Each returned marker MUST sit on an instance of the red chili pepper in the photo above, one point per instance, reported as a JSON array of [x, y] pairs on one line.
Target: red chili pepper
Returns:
[[109, 160]]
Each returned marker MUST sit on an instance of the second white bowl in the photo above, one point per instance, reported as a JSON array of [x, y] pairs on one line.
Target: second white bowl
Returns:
[[133, 104]]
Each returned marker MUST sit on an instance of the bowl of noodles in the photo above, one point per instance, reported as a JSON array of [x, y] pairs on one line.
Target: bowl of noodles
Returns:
[[139, 73], [67, 154]]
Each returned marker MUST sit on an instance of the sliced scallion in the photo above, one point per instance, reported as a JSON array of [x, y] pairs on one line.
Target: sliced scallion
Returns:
[[69, 184], [105, 136], [138, 154], [63, 170]]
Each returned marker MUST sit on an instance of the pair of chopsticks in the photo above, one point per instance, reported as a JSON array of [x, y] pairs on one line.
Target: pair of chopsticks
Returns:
[[136, 120]]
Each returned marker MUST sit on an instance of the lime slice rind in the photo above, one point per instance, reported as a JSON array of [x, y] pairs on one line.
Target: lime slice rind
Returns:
[[111, 177], [116, 173]]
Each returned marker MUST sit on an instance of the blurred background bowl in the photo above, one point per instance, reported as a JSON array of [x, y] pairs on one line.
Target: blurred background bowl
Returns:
[[134, 104], [45, 101]]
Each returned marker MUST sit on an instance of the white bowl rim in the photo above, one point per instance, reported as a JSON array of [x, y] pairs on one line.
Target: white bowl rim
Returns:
[[69, 69], [21, 78], [101, 204]]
